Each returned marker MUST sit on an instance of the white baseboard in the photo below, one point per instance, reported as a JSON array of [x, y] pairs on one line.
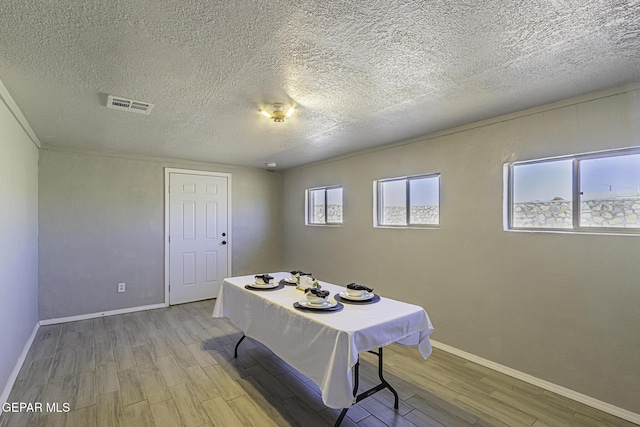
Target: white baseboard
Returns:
[[562, 391], [16, 369], [100, 314]]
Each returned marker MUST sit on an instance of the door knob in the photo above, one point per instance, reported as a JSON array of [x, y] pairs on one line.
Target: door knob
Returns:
[[224, 234], [224, 242]]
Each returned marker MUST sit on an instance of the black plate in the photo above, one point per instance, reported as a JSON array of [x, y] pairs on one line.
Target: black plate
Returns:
[[251, 288], [337, 307], [373, 300]]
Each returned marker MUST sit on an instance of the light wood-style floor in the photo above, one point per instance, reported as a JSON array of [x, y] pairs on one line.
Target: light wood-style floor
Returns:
[[175, 367]]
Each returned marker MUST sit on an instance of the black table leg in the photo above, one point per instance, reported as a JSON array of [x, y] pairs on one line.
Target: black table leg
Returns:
[[383, 381], [235, 353], [358, 397], [356, 379]]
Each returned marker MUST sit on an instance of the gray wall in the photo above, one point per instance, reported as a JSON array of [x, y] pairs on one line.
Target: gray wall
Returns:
[[101, 222], [18, 242], [561, 307]]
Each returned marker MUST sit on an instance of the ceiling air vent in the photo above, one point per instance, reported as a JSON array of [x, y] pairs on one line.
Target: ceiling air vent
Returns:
[[124, 104]]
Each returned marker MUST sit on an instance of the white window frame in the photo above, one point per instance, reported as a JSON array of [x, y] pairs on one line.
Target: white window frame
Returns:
[[378, 202], [575, 186], [309, 211]]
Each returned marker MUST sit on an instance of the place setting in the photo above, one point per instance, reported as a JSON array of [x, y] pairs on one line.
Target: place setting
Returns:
[[317, 300], [297, 276], [264, 282], [357, 294]]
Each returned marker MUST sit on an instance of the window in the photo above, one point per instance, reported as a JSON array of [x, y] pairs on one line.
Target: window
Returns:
[[324, 205], [542, 194], [408, 201], [587, 192]]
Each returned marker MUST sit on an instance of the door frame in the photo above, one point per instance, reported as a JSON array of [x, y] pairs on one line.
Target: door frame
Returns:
[[167, 172]]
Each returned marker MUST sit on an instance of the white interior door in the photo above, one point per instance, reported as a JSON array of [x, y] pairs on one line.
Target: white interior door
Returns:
[[198, 236]]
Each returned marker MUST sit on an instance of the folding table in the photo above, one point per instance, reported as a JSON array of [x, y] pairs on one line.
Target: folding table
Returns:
[[324, 346]]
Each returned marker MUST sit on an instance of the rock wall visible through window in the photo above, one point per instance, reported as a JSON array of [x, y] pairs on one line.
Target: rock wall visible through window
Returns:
[[614, 213]]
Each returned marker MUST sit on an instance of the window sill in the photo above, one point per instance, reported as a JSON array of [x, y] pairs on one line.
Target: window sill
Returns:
[[576, 232], [409, 227]]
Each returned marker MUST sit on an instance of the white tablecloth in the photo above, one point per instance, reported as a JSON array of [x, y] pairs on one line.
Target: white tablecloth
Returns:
[[322, 346]]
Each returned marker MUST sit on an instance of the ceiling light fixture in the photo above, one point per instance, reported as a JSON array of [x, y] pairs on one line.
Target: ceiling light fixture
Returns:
[[279, 114]]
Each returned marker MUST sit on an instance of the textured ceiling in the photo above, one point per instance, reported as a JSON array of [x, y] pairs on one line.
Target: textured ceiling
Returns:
[[362, 73]]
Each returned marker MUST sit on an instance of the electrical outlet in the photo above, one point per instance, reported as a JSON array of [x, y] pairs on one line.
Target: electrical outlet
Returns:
[[121, 287]]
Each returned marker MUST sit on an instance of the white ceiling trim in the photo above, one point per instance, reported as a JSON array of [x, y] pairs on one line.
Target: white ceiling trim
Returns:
[[17, 113]]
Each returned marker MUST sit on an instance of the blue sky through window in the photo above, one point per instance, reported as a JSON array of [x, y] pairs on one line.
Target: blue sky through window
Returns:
[[423, 192], [542, 181], [599, 178], [394, 193], [619, 175], [334, 196]]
